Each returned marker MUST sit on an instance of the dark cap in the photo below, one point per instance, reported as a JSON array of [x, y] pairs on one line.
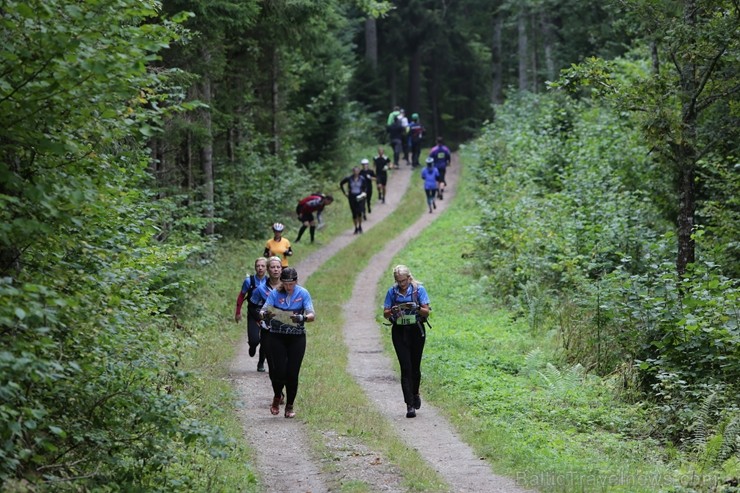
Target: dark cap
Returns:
[[289, 274]]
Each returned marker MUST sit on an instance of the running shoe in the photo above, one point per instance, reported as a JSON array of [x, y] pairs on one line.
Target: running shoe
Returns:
[[275, 406], [410, 412]]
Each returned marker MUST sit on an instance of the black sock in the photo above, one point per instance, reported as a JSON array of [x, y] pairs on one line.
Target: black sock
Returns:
[[300, 233], [312, 231]]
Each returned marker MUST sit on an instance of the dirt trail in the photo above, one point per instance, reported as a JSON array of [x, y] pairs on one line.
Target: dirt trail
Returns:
[[287, 464], [283, 458], [429, 433]]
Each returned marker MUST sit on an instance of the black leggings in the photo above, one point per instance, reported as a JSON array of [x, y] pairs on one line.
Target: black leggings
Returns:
[[285, 364], [408, 341], [431, 195], [256, 335], [356, 206]]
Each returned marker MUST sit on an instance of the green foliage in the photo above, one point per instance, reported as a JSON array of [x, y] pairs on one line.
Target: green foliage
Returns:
[[90, 384], [274, 76], [719, 212], [257, 190], [552, 425], [558, 187], [319, 76], [686, 105], [684, 335], [571, 240]]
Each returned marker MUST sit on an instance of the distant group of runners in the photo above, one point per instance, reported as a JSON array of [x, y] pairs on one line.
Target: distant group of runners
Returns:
[[278, 308], [405, 136]]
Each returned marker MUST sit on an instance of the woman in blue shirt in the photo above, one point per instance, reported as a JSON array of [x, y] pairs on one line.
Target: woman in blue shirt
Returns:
[[250, 284], [259, 296], [286, 310], [407, 307], [430, 175]]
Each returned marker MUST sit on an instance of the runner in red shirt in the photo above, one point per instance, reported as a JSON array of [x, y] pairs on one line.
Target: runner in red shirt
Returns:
[[305, 210]]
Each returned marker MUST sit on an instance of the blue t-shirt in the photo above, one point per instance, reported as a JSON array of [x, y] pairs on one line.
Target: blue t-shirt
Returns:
[[248, 283], [430, 174], [406, 316], [260, 294], [284, 304]]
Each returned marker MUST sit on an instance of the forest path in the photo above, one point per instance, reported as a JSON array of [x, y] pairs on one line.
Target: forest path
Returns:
[[283, 456], [284, 459]]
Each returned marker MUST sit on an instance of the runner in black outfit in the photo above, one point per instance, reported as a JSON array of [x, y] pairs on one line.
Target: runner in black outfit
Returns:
[[396, 134], [407, 307], [382, 163], [369, 176], [287, 310], [355, 194]]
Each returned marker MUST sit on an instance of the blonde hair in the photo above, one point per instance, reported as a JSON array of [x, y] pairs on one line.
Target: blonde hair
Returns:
[[274, 258], [260, 259], [402, 270]]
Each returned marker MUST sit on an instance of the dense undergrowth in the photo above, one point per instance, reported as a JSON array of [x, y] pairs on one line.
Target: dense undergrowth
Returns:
[[573, 238], [541, 419]]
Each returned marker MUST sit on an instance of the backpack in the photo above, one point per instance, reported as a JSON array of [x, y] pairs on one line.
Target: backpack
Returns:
[[420, 321], [417, 132], [252, 308]]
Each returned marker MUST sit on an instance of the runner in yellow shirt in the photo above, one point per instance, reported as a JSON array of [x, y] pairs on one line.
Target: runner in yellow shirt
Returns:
[[278, 246]]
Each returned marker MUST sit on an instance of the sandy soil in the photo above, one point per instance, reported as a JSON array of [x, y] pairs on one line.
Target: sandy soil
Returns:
[[288, 464]]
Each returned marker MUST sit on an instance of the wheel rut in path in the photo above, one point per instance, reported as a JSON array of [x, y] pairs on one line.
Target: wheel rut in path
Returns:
[[284, 460], [429, 433]]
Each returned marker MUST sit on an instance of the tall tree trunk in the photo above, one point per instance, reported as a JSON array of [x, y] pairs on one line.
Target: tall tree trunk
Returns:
[[497, 87], [685, 151], [414, 101], [686, 207], [156, 164], [189, 177], [523, 50], [434, 97], [10, 254], [392, 86], [275, 101], [231, 144], [548, 41], [206, 156], [371, 42], [654, 56], [534, 85], [153, 157]]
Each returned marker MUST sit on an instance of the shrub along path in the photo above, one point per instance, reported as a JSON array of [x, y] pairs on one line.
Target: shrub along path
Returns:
[[285, 460]]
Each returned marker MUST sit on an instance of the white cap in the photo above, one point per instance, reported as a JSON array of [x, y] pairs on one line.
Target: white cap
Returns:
[[364, 161]]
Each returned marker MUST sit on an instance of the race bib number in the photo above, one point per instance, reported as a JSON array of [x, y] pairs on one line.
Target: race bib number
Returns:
[[406, 320]]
